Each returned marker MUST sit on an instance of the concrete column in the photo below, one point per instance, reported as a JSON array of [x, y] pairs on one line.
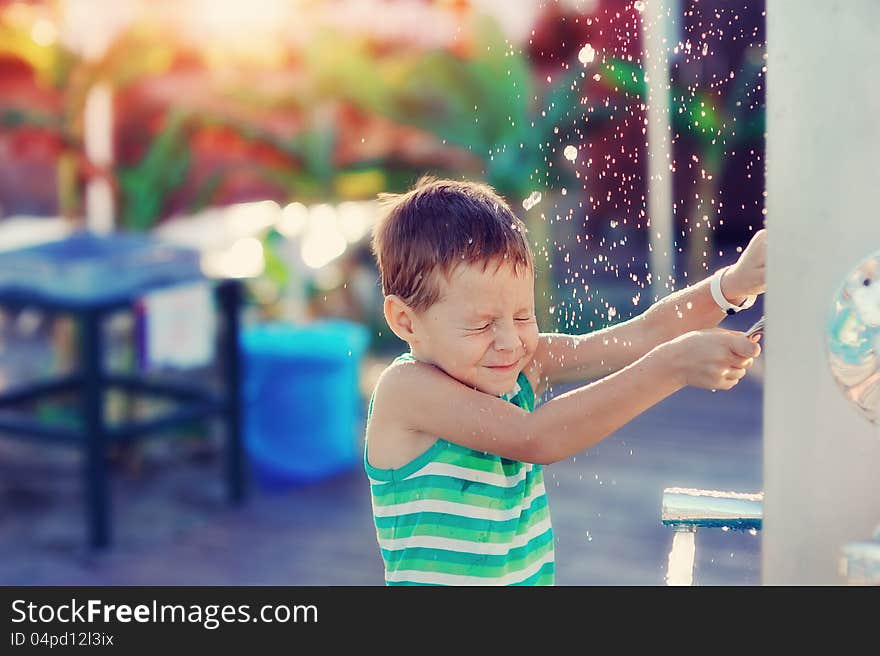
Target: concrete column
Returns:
[[821, 458], [657, 24], [98, 137]]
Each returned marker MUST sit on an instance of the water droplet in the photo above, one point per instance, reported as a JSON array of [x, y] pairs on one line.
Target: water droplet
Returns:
[[533, 199], [586, 54], [570, 152], [639, 6]]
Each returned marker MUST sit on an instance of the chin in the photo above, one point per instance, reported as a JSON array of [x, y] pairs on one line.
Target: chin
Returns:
[[488, 384], [496, 388]]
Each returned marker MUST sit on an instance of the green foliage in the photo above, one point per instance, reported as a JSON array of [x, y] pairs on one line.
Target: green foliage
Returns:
[[145, 186], [480, 103], [315, 148], [206, 190], [14, 118], [625, 76], [700, 115], [276, 270]]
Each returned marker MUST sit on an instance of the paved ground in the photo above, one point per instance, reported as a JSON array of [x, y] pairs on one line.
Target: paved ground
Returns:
[[173, 527]]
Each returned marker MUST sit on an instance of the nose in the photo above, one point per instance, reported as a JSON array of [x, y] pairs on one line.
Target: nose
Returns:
[[506, 337]]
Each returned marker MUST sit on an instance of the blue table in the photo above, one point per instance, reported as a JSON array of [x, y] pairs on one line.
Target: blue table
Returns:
[[88, 276]]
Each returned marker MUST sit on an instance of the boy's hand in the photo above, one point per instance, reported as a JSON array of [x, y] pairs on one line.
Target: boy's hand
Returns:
[[712, 359], [748, 275]]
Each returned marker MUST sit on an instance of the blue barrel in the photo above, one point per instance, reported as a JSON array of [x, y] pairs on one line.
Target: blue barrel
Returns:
[[303, 411]]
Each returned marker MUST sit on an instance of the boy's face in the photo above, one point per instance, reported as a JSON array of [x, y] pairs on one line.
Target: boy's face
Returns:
[[482, 331]]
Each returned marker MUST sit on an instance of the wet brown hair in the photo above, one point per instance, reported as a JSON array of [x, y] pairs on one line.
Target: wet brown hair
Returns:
[[437, 225]]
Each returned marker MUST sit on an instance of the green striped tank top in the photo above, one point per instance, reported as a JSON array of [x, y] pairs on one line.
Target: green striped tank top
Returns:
[[456, 516]]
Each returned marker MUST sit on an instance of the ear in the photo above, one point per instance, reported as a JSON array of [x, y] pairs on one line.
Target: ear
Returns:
[[401, 318]]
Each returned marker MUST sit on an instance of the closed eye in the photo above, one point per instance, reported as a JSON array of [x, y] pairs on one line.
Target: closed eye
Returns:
[[519, 319]]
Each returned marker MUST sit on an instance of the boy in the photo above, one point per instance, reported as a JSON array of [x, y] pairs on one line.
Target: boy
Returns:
[[454, 444]]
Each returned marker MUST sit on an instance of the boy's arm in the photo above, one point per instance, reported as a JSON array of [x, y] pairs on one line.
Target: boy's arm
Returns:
[[563, 358], [426, 400]]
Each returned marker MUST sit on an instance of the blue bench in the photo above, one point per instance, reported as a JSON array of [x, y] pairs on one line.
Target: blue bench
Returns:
[[88, 276]]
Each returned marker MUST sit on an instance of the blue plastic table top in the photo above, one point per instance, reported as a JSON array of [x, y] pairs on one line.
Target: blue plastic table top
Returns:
[[89, 271]]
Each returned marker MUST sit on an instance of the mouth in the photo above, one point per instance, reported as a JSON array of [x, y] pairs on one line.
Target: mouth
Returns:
[[503, 368]]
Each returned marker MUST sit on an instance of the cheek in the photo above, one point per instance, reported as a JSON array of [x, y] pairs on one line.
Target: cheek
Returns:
[[530, 338], [474, 347]]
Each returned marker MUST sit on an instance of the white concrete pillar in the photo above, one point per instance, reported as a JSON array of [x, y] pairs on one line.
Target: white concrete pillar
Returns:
[[98, 137], [659, 25], [89, 28], [821, 458]]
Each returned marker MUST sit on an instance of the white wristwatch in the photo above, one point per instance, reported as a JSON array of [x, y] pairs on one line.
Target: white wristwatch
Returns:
[[723, 303]]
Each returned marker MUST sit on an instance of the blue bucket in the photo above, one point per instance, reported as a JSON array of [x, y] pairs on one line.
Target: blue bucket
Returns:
[[303, 411]]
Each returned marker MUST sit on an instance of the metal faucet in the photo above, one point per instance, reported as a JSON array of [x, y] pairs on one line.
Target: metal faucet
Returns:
[[689, 507], [686, 509]]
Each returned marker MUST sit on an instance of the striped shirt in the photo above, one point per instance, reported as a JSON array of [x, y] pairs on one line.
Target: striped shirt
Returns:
[[456, 516]]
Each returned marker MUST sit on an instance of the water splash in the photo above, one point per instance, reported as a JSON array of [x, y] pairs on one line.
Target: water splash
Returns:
[[533, 199], [681, 559]]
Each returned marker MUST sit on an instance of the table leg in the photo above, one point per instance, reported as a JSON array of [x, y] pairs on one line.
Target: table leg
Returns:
[[229, 294], [97, 500]]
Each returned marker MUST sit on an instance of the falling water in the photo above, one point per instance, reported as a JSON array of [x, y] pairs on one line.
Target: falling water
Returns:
[[587, 191], [681, 559]]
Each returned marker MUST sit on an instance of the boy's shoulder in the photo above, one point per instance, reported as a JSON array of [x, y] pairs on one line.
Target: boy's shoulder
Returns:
[[400, 376], [392, 438], [407, 386]]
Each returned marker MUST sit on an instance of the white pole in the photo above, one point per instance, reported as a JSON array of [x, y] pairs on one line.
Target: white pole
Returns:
[[658, 23], [98, 134], [89, 30], [821, 488]]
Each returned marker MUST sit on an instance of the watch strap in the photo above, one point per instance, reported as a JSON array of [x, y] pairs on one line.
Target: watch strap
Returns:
[[722, 302]]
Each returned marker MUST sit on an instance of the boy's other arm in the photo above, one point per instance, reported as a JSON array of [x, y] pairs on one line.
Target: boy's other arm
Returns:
[[428, 401], [564, 358]]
